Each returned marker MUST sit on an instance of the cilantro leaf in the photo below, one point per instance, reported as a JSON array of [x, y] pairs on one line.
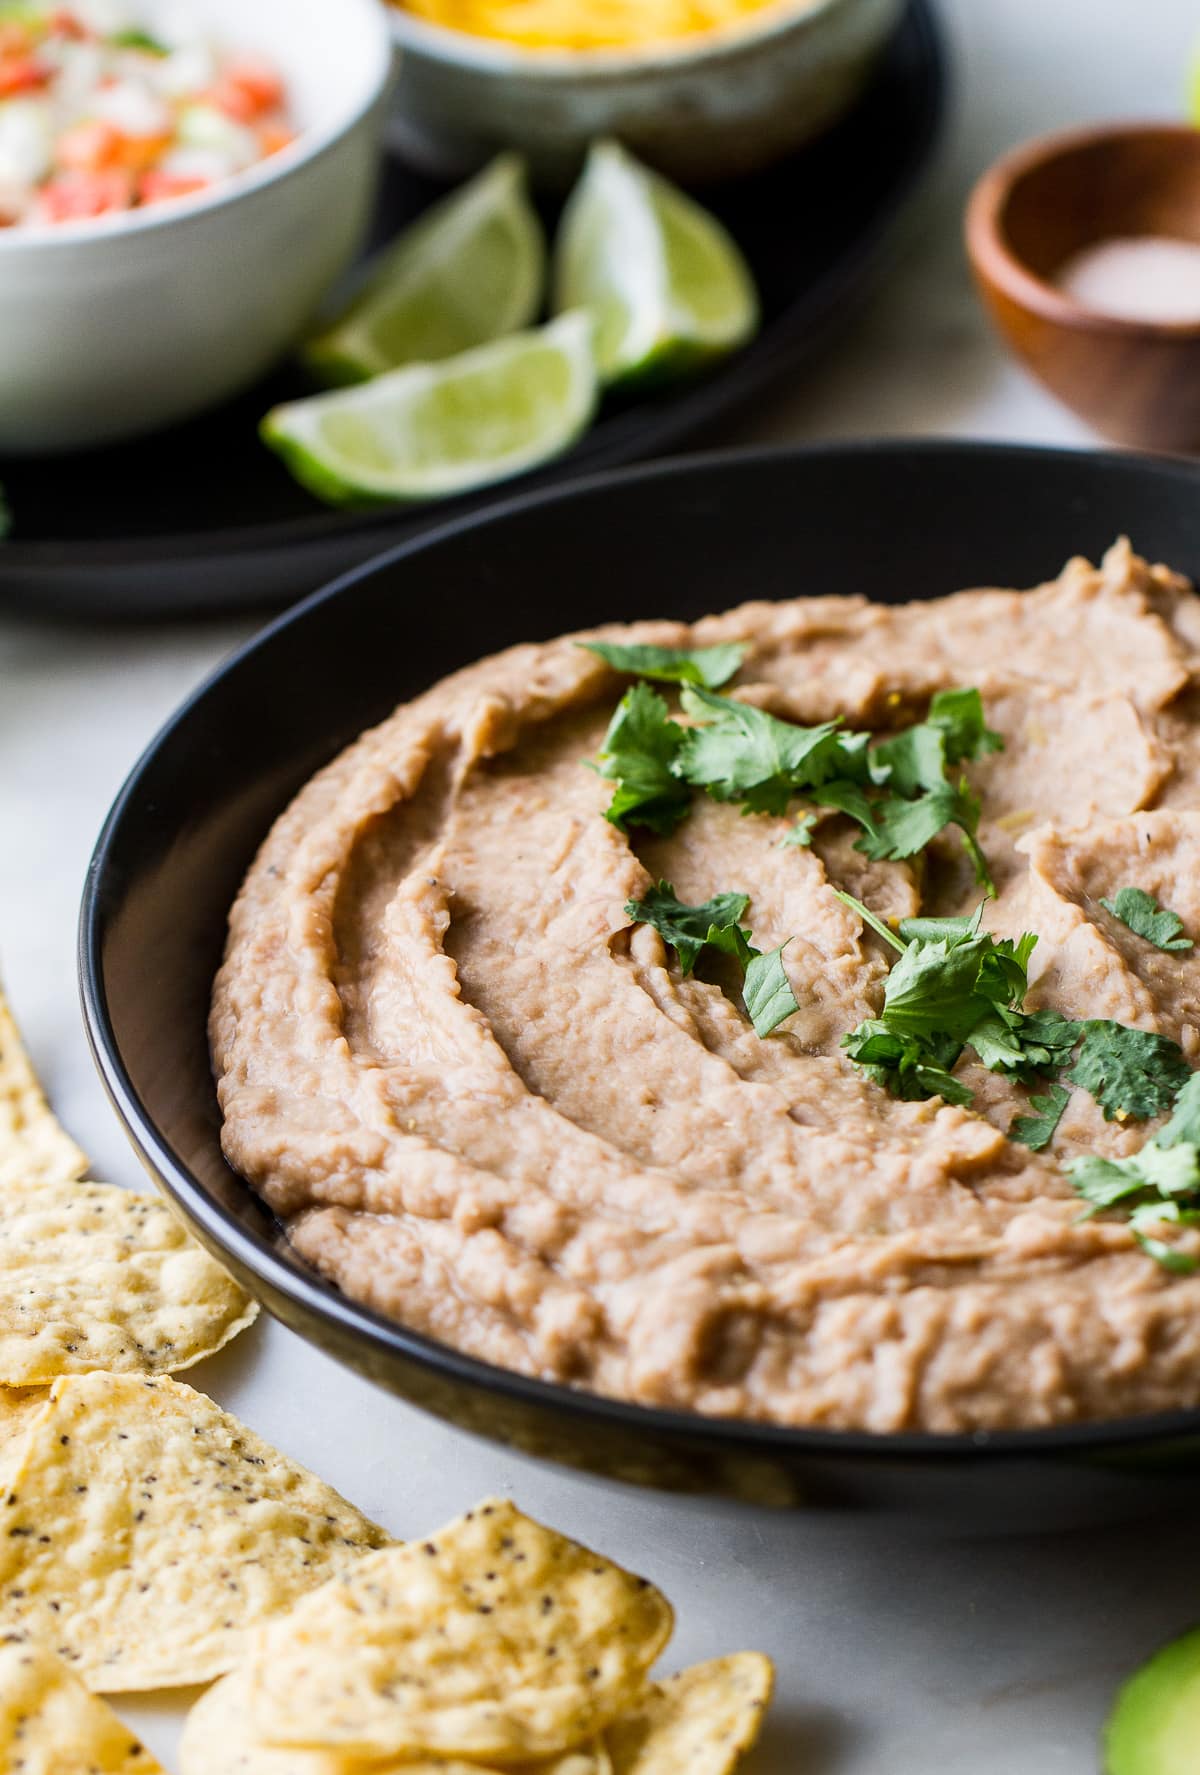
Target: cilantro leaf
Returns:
[[688, 929], [137, 39], [639, 749], [1179, 1262], [1036, 1131], [959, 716], [1130, 1072], [915, 759], [850, 798], [707, 666], [1144, 916], [935, 930], [900, 828], [903, 1065], [1025, 1045], [954, 985], [1184, 1125], [740, 753], [799, 835], [1158, 1186], [767, 992], [932, 990]]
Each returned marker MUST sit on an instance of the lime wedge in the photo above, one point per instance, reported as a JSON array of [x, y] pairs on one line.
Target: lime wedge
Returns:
[[667, 285], [432, 430], [471, 269]]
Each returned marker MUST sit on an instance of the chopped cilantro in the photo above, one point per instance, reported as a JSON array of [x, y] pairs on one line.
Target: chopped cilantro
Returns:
[[689, 929], [917, 758], [799, 835], [639, 749], [1026, 1045], [905, 1066], [1160, 1185], [904, 828], [1183, 1129], [897, 790], [954, 985], [1130, 1072], [766, 990], [707, 666], [740, 753], [932, 930], [1146, 918], [959, 716], [1036, 1131], [767, 993], [853, 799], [136, 39]]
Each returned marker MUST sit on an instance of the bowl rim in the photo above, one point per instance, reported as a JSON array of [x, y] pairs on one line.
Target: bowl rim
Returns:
[[284, 164], [994, 261], [492, 55], [312, 1295]]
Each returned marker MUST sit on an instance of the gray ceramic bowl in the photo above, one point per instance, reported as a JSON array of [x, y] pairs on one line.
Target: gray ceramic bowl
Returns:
[[707, 107]]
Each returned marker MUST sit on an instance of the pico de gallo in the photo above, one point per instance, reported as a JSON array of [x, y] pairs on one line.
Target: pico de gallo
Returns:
[[96, 118]]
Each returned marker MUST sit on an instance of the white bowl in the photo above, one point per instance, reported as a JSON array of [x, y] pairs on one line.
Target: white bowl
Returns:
[[706, 107], [117, 325]]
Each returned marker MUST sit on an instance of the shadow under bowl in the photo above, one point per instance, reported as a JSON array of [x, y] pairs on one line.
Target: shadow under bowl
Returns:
[[893, 522], [1135, 381]]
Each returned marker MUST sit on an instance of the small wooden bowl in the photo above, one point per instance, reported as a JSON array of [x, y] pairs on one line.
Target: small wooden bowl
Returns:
[[1135, 381]]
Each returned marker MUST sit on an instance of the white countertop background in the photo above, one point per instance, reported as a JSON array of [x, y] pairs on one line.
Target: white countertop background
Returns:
[[898, 1653]]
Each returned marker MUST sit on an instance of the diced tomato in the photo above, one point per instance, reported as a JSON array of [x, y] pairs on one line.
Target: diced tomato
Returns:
[[16, 39], [247, 89], [157, 187], [65, 24], [21, 73], [77, 194], [274, 136], [87, 146], [139, 153]]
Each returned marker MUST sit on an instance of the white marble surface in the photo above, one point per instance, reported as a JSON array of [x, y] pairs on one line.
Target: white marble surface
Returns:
[[896, 1653]]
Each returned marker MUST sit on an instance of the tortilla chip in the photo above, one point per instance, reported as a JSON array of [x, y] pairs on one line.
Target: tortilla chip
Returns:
[[18, 1408], [494, 1639], [218, 1739], [144, 1530], [95, 1277], [50, 1725], [697, 1723], [33, 1148]]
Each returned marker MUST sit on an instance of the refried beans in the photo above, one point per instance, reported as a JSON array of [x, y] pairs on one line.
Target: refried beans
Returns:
[[485, 1104]]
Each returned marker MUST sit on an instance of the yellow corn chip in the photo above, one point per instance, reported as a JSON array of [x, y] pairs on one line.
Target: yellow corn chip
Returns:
[[95, 1277], [144, 1530], [697, 1723], [18, 1408], [218, 1739], [495, 1639], [32, 1145], [50, 1725]]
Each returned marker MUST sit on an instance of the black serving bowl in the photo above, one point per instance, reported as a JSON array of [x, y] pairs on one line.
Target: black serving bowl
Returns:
[[893, 521]]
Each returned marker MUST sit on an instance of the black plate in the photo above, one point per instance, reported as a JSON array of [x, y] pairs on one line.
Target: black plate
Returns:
[[892, 521], [204, 518]]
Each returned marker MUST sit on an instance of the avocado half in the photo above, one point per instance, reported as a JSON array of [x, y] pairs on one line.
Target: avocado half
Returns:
[[1154, 1729]]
